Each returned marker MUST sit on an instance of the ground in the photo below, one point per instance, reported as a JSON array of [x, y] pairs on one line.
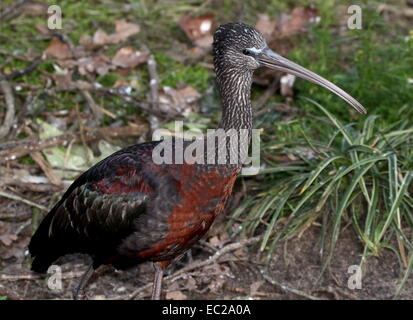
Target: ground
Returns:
[[242, 273]]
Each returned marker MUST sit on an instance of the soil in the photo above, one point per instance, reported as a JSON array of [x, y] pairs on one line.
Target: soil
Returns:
[[296, 265]]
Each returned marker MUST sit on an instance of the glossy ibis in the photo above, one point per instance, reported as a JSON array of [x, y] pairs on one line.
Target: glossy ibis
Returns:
[[128, 209]]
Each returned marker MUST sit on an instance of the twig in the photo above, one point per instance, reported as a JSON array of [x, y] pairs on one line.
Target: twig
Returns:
[[198, 264], [26, 147], [47, 169], [9, 100], [18, 198], [38, 276], [11, 11], [22, 227], [31, 183], [154, 92], [19, 73], [97, 109], [15, 218], [145, 106], [286, 288], [93, 106], [267, 95]]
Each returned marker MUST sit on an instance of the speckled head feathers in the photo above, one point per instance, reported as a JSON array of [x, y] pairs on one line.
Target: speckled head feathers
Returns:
[[230, 40], [237, 36]]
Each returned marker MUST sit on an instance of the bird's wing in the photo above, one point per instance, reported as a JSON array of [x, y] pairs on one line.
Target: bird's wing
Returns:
[[98, 209]]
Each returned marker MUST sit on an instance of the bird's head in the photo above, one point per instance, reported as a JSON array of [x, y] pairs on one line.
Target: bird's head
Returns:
[[241, 47]]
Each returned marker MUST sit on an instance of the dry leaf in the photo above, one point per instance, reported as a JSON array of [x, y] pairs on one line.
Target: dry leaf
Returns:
[[280, 37], [178, 101], [128, 57], [191, 284], [175, 295], [86, 41], [214, 241], [63, 80], [96, 64], [33, 8], [53, 177], [8, 239], [123, 31], [287, 24], [199, 29], [265, 25], [59, 50], [297, 21], [100, 37], [399, 12], [187, 94], [205, 41], [255, 286]]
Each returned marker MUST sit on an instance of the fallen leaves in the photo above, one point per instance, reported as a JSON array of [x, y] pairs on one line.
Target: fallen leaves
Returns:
[[265, 25], [123, 30], [7, 239], [297, 21], [199, 29], [99, 64], [128, 57], [34, 8], [387, 9], [11, 246], [286, 25], [88, 59], [280, 34], [58, 49], [179, 101], [175, 295]]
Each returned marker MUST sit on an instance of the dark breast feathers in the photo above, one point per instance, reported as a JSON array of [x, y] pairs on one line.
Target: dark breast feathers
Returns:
[[126, 209]]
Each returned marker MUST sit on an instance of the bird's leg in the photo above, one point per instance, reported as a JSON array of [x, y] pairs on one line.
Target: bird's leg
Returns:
[[79, 291], [157, 283]]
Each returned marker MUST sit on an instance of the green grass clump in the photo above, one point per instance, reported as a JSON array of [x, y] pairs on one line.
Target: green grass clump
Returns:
[[172, 73], [353, 175]]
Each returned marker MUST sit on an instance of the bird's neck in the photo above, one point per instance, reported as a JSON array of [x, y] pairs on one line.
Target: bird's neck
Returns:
[[235, 91]]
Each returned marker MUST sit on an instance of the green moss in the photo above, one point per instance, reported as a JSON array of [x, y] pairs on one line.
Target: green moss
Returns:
[[109, 79], [172, 73], [27, 160]]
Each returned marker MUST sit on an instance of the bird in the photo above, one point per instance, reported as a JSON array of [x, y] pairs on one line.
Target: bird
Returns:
[[131, 208]]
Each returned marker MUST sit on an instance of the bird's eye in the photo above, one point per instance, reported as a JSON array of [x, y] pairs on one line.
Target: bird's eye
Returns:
[[246, 52]]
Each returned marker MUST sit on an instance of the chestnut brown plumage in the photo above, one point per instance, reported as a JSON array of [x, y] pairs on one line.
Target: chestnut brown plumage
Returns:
[[128, 209]]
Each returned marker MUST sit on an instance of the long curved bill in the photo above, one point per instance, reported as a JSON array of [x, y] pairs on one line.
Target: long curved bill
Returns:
[[270, 59]]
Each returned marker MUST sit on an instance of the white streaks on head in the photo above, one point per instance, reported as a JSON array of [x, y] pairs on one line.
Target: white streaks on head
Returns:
[[255, 50]]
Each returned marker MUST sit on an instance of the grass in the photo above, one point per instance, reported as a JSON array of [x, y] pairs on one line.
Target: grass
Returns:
[[362, 176], [373, 63]]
